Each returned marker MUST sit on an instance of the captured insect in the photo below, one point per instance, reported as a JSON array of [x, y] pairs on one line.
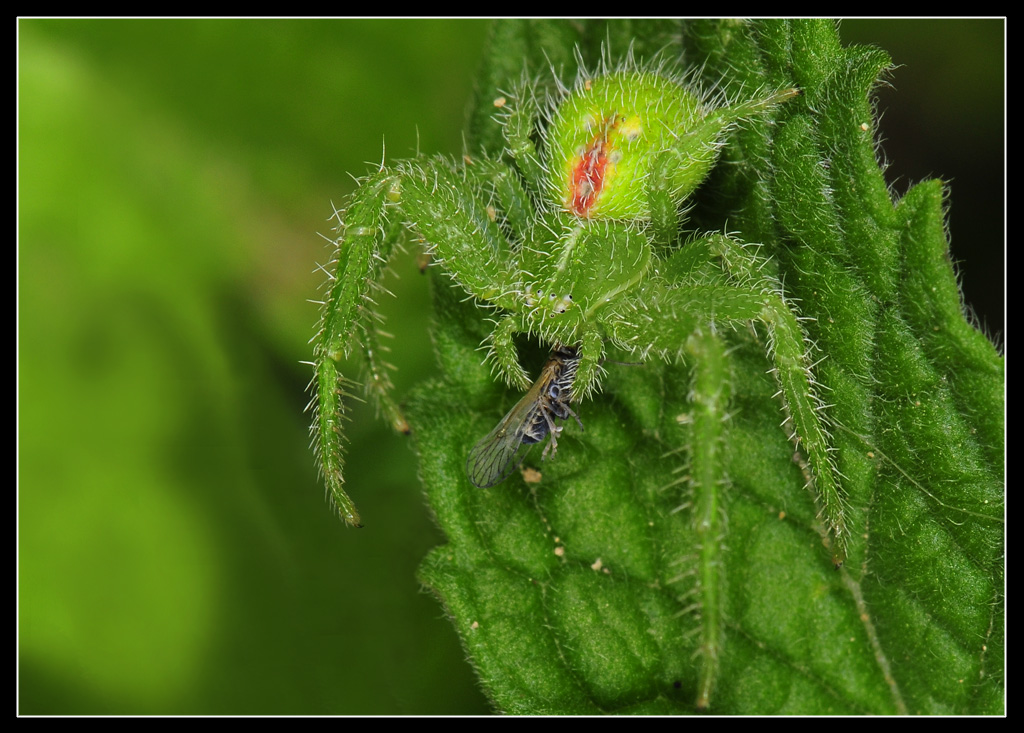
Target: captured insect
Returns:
[[500, 452]]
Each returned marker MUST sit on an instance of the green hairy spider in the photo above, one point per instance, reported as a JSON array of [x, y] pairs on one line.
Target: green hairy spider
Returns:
[[574, 239]]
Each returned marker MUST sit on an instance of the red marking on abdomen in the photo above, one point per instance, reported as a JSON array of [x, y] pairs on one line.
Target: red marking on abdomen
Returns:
[[588, 174]]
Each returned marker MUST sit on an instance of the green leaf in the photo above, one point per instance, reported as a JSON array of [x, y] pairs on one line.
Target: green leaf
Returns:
[[607, 586]]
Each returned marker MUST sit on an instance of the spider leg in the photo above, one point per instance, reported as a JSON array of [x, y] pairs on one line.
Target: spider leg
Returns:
[[519, 130], [504, 355], [659, 319], [589, 371], [805, 415], [367, 237]]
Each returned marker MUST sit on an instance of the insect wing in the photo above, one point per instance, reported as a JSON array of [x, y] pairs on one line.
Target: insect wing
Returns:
[[500, 452]]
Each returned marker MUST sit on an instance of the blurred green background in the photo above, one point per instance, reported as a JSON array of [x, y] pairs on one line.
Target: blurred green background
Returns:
[[176, 553]]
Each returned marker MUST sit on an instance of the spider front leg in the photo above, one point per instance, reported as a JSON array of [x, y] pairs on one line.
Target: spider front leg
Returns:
[[462, 213], [700, 298], [348, 323], [805, 411], [459, 226], [504, 355], [441, 203]]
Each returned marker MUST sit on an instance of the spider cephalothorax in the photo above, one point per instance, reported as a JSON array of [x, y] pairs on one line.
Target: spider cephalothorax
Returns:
[[573, 238]]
